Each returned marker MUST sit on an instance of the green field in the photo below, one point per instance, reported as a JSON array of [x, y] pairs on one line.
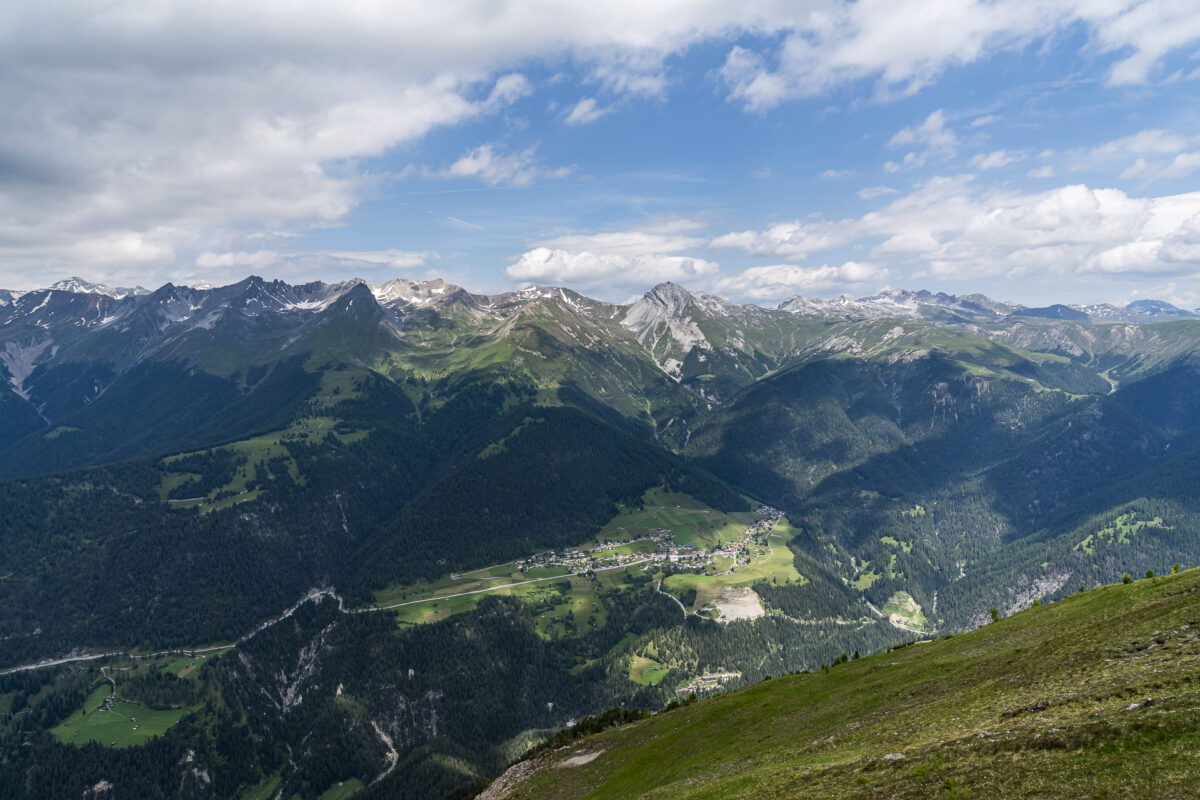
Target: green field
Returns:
[[1092, 696], [115, 727], [688, 520], [865, 578], [776, 565], [646, 671]]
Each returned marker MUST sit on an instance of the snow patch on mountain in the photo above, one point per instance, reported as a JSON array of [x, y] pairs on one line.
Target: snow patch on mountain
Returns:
[[901, 303], [80, 286], [414, 293]]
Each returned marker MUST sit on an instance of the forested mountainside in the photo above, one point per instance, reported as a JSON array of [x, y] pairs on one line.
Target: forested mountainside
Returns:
[[509, 512]]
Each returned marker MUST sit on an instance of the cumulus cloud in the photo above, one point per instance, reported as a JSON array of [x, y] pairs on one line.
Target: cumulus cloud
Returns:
[[778, 281], [543, 265], [951, 228], [138, 131], [618, 259]]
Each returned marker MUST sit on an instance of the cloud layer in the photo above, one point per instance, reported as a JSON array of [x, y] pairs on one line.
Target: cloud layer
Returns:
[[139, 136], [950, 228]]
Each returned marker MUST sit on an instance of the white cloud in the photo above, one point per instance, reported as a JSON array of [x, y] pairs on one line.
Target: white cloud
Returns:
[[932, 133], [988, 119], [1156, 154], [1044, 171], [1151, 140], [495, 168], [136, 131], [762, 174], [911, 160], [542, 265], [831, 174], [778, 281], [1181, 166], [586, 111], [996, 159], [1149, 29], [950, 228], [904, 45], [871, 192], [618, 259]]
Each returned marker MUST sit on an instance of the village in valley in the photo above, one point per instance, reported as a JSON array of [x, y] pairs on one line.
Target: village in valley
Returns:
[[661, 548]]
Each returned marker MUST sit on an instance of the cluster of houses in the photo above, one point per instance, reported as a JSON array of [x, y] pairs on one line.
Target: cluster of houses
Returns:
[[707, 683], [668, 551]]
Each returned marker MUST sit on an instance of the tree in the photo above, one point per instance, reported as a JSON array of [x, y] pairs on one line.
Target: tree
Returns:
[[1175, 569], [1149, 573], [1126, 579], [995, 614]]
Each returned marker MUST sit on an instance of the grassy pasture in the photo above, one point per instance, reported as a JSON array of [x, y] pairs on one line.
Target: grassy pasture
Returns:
[[115, 728], [647, 672]]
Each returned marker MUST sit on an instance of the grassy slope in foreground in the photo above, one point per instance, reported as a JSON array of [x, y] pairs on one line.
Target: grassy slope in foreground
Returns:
[[1097, 695]]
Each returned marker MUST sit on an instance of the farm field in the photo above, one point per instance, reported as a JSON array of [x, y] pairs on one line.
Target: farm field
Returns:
[[777, 565], [115, 728]]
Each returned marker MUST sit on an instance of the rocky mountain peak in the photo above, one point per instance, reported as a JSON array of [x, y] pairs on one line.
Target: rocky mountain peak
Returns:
[[80, 286]]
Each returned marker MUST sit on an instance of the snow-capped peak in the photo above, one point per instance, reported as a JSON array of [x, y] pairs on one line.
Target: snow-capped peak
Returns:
[[80, 286], [900, 303], [416, 293]]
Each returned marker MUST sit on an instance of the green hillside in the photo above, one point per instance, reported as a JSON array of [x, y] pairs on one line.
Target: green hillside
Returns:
[[1092, 696]]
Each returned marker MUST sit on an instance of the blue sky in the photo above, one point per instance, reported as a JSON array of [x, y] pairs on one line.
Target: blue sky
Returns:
[[1035, 151]]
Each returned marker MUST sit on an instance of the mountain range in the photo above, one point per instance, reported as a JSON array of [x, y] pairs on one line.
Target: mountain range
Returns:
[[183, 469]]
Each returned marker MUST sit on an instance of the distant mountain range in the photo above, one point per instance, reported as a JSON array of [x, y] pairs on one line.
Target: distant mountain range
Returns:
[[887, 303]]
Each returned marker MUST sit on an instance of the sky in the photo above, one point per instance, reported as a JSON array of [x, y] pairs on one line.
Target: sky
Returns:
[[1035, 150]]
